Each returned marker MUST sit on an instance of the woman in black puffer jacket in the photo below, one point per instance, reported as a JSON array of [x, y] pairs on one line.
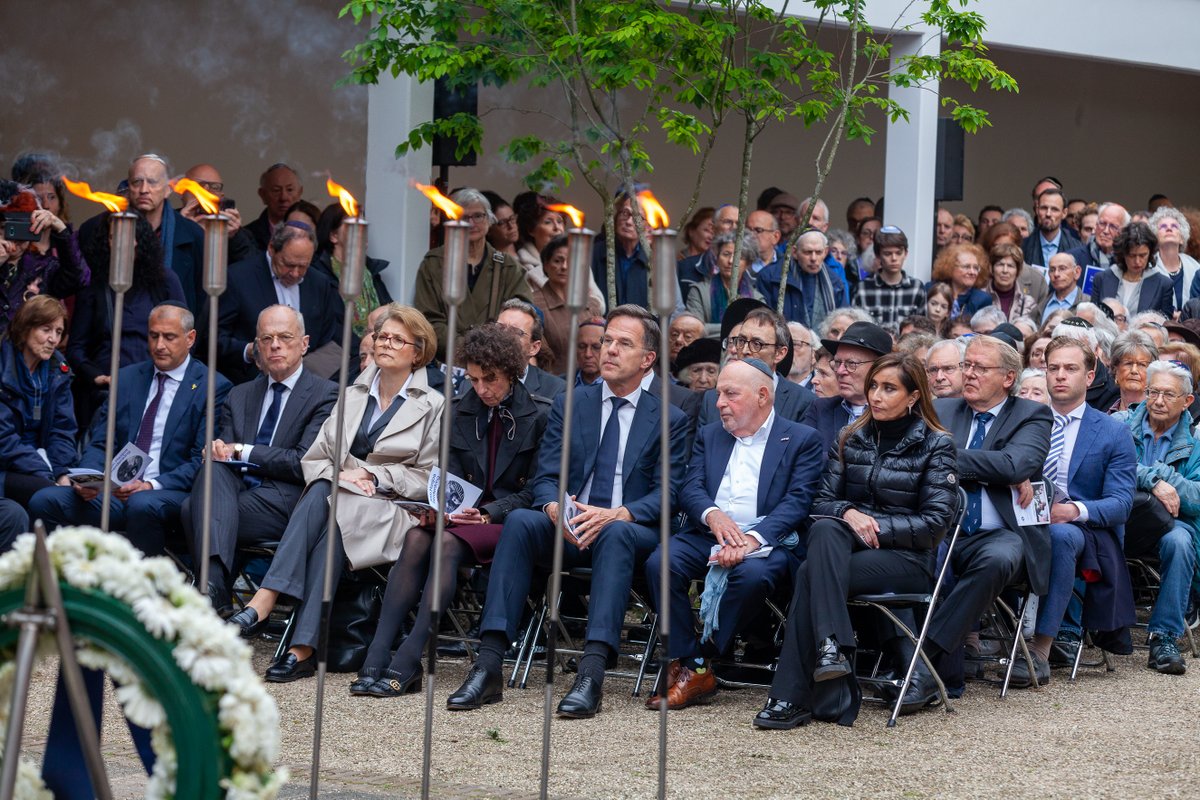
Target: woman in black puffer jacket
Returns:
[[887, 496]]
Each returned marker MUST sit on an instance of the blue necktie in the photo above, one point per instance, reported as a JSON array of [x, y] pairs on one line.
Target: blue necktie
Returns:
[[606, 459], [1058, 439], [974, 516], [267, 429]]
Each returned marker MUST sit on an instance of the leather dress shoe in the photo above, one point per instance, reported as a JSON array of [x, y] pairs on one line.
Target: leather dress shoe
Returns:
[[1020, 673], [780, 715], [692, 688], [672, 676], [922, 690], [365, 680], [479, 689], [219, 599], [248, 622], [831, 663], [1062, 652], [291, 668], [583, 701], [394, 684]]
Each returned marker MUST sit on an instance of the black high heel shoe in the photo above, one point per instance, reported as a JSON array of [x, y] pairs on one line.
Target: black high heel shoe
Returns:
[[366, 679], [393, 684]]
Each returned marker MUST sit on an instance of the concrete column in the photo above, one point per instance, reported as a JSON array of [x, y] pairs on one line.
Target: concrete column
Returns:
[[399, 214], [911, 159]]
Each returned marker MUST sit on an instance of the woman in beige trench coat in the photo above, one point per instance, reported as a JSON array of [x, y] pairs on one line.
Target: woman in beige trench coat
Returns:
[[391, 430]]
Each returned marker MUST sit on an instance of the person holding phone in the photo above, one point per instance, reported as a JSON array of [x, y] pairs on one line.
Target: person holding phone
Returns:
[[887, 497]]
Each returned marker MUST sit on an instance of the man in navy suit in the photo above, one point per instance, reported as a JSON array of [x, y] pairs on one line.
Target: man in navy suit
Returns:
[[747, 491], [853, 353], [280, 277], [160, 408], [614, 480], [271, 428], [1089, 473], [751, 329], [1002, 442]]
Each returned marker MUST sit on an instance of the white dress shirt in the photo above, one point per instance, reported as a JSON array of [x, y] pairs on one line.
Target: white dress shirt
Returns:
[[1070, 436], [286, 295], [737, 494], [625, 420], [169, 389], [289, 383], [989, 517], [374, 392]]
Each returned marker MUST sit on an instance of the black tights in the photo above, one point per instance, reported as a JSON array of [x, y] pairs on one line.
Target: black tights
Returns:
[[409, 580]]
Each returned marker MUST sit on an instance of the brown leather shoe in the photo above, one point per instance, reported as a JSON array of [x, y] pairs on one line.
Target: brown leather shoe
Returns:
[[672, 676], [692, 688]]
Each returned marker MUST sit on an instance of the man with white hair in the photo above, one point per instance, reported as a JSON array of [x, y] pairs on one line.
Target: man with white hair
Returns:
[[1110, 219], [1166, 468], [812, 289], [943, 365], [804, 346]]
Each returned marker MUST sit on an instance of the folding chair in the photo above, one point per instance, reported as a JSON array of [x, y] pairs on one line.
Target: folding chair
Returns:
[[1147, 580], [888, 604]]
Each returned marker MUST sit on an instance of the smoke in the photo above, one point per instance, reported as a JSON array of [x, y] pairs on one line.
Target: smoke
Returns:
[[112, 149]]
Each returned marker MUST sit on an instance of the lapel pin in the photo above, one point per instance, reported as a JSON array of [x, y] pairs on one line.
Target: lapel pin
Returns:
[[193, 387]]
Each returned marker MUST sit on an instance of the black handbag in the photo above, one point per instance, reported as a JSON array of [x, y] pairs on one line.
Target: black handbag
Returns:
[[1149, 521], [355, 613]]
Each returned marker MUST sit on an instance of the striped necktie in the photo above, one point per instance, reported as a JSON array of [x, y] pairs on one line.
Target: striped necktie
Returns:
[[1058, 439]]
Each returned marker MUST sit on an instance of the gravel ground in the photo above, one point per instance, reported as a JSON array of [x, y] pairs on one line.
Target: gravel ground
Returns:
[[1128, 732]]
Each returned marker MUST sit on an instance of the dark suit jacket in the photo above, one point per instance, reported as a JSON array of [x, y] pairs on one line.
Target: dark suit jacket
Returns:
[[251, 289], [542, 384], [310, 404], [827, 416], [640, 487], [787, 479], [1158, 293], [681, 397], [1014, 451], [1103, 476], [1031, 245], [260, 229], [792, 401], [183, 436], [516, 456]]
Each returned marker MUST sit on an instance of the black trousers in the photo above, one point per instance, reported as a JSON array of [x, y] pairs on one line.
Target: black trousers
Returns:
[[240, 515], [839, 566], [984, 565]]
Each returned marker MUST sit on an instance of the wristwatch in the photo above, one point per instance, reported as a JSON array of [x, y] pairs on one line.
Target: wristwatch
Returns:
[[486, 517], [237, 452]]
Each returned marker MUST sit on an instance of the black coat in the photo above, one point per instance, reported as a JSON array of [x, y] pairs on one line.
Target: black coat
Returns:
[[516, 456], [911, 490]]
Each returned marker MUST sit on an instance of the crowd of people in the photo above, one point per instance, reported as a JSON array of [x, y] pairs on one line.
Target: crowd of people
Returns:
[[1048, 368]]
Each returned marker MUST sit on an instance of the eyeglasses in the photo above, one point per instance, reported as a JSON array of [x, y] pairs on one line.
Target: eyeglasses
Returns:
[[753, 346], [476, 218], [760, 231], [508, 222], [972, 367], [1170, 397], [1120, 318], [849, 365], [520, 333], [213, 186], [1107, 226], [284, 339], [947, 370], [620, 344], [391, 340]]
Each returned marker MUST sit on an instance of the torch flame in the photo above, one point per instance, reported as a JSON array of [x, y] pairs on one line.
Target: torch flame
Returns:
[[208, 201], [449, 207], [112, 202], [655, 214], [571, 211], [349, 204]]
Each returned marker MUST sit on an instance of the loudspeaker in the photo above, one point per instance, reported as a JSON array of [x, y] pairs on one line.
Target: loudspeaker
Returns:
[[948, 183], [448, 101]]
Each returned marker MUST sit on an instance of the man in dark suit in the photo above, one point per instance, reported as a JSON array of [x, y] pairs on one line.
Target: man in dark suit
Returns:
[[614, 480], [269, 422], [522, 318], [747, 491], [1090, 473], [751, 329], [278, 187], [280, 277], [1051, 237], [1002, 442], [853, 353], [160, 408]]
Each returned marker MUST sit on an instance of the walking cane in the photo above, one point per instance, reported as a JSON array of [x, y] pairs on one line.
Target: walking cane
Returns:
[[579, 264], [355, 243], [122, 227], [454, 286]]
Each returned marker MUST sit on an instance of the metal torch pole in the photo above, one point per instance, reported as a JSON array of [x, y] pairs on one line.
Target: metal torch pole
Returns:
[[122, 230], [355, 233], [216, 248], [664, 303], [579, 260], [454, 286]]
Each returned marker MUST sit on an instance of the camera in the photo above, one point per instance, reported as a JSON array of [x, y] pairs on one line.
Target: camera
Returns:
[[18, 227], [226, 202]]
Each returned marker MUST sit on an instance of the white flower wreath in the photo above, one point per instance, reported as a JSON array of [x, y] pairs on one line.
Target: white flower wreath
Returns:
[[207, 650]]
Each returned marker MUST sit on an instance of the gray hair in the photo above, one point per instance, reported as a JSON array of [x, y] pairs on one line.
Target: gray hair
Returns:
[[1023, 214], [469, 196], [845, 239], [1153, 317], [1030, 372], [678, 315], [804, 204], [1029, 321], [1010, 359], [287, 232], [808, 334], [1185, 230], [854, 313], [1106, 329], [1078, 333], [1105, 206], [749, 244], [989, 314], [1130, 343], [166, 165], [814, 232], [187, 320], [297, 316], [960, 344], [517, 304], [1174, 370]]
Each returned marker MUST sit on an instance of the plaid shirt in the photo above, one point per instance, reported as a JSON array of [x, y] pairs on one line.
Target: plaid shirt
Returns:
[[889, 305]]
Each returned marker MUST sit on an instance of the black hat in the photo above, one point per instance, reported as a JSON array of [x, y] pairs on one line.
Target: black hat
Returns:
[[1009, 334], [1188, 333], [736, 313], [701, 351], [866, 335]]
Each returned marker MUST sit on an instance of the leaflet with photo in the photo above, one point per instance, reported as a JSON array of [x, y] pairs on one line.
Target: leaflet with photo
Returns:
[[460, 494], [1038, 511], [128, 466]]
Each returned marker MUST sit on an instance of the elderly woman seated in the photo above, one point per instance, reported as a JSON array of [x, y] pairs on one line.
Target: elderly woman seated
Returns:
[[1131, 354]]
